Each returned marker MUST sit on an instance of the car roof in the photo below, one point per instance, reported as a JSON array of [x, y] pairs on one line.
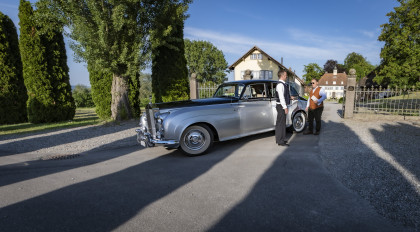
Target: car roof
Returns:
[[252, 81]]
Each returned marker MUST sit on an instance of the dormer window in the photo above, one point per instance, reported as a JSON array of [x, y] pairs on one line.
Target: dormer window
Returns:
[[256, 56], [334, 82], [326, 82]]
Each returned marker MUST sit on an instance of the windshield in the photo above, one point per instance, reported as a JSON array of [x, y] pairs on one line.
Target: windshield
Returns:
[[229, 90]]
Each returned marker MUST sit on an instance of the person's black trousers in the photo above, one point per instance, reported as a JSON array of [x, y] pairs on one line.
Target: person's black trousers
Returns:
[[316, 113], [280, 125]]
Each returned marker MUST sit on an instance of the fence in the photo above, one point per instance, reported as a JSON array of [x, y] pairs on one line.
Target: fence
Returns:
[[387, 101], [206, 90]]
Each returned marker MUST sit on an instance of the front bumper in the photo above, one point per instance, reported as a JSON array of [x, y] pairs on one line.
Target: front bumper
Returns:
[[145, 139]]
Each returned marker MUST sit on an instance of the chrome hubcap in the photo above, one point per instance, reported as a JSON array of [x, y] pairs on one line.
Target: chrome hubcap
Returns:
[[195, 140], [298, 122]]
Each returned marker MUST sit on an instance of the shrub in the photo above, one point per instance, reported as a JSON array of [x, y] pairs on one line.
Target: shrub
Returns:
[[82, 96]]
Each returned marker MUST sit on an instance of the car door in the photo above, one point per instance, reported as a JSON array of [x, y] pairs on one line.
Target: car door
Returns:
[[255, 110]]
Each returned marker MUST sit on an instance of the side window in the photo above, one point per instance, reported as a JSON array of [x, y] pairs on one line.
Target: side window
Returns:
[[255, 91], [272, 90]]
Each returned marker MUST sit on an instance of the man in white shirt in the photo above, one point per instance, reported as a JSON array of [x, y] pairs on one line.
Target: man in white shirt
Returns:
[[283, 96]]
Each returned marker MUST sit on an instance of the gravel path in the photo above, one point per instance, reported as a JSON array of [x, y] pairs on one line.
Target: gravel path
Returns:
[[62, 142], [377, 158]]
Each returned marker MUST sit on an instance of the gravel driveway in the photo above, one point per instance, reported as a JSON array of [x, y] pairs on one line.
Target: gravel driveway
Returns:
[[377, 158]]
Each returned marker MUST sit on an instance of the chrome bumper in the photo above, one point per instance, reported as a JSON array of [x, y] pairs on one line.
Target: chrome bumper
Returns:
[[145, 139]]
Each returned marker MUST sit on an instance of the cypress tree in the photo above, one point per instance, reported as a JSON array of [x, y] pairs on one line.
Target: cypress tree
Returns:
[[45, 70], [169, 67], [13, 94], [101, 82]]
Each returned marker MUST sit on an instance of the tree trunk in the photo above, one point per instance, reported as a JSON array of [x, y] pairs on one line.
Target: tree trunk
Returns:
[[120, 105]]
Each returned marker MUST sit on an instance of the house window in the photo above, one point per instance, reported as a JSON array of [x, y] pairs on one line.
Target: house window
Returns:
[[334, 82], [266, 74], [256, 75], [256, 56]]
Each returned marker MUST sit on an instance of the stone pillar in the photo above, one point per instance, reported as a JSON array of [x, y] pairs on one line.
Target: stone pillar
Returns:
[[193, 86], [350, 94]]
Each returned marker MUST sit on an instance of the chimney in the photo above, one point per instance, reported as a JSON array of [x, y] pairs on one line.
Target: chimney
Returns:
[[282, 61]]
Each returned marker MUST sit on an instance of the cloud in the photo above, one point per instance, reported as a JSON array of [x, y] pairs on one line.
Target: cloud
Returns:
[[369, 34]]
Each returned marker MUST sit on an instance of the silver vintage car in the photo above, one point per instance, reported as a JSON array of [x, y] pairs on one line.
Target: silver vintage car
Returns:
[[237, 109]]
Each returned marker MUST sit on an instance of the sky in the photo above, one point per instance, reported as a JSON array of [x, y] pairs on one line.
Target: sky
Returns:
[[299, 31]]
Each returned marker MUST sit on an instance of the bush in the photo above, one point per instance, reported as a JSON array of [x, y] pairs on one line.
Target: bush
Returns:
[[82, 96], [341, 100]]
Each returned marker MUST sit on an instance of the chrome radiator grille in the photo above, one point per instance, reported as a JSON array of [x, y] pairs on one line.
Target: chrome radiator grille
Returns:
[[151, 123]]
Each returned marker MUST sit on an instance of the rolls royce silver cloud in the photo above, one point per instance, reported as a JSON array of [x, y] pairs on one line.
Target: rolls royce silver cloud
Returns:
[[237, 109]]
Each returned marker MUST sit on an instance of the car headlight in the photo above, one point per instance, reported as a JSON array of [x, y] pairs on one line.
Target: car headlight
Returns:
[[161, 117]]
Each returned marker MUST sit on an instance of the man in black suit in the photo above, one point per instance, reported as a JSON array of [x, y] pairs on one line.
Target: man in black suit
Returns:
[[283, 99]]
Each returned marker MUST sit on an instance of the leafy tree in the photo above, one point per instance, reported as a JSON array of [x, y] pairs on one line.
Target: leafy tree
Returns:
[[312, 71], [359, 63], [110, 35], [101, 84], [204, 59], [13, 94], [45, 70], [82, 96], [170, 80], [400, 64], [330, 64]]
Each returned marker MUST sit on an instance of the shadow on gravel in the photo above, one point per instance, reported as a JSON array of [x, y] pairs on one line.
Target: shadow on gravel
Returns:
[[14, 173], [360, 169], [403, 143], [107, 202], [45, 141], [297, 194]]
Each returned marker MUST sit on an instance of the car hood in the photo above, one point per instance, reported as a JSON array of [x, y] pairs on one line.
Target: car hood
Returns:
[[195, 102]]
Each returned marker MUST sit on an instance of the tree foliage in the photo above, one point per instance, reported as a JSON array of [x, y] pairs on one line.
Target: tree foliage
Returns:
[[359, 63], [204, 59], [101, 83], [170, 80], [110, 35], [145, 88], [82, 96], [330, 64], [312, 71], [400, 55], [13, 94], [45, 69]]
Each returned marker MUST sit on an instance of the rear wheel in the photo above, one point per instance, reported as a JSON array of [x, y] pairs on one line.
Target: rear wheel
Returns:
[[299, 122], [196, 140]]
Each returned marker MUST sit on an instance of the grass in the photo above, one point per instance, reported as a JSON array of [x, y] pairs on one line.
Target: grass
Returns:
[[83, 117]]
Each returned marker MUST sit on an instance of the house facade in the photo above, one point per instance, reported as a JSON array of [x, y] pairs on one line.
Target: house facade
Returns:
[[262, 66], [333, 84]]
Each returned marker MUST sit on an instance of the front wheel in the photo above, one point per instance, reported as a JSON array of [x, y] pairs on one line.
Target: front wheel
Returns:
[[196, 140], [299, 122]]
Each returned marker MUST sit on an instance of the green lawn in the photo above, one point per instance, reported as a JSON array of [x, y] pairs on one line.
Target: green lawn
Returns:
[[83, 117]]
